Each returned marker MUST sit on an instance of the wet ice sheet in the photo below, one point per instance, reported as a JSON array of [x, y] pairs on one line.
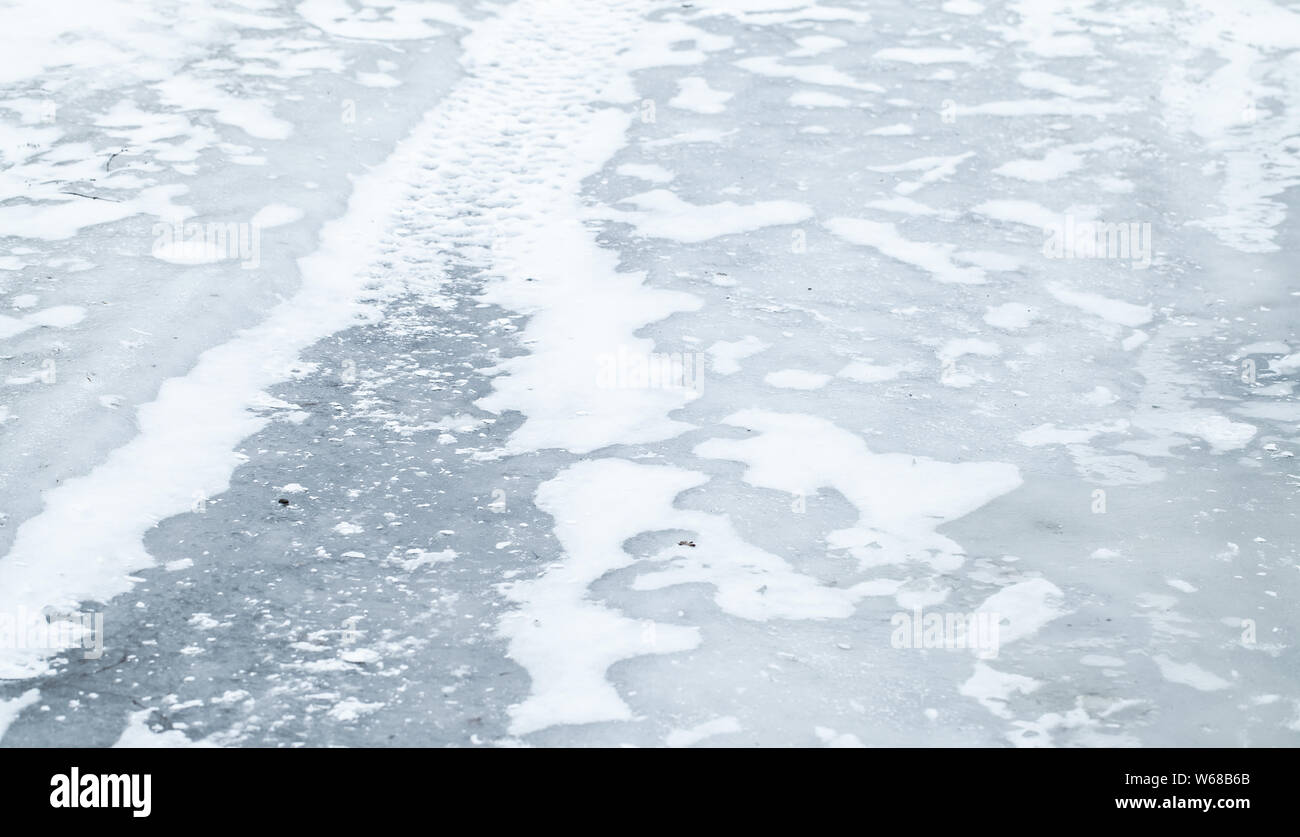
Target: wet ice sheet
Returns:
[[504, 529]]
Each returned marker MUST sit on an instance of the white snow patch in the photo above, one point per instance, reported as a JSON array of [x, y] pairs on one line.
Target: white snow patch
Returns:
[[1028, 213], [796, 379], [901, 499], [276, 215], [59, 316], [727, 354], [903, 206], [1024, 608], [665, 215], [1039, 80], [930, 55], [994, 689], [699, 732], [821, 74], [139, 735], [350, 709], [1112, 310], [835, 740], [694, 94], [869, 373], [645, 171], [811, 45], [1012, 315], [818, 99], [935, 259], [567, 641], [951, 374], [1189, 674]]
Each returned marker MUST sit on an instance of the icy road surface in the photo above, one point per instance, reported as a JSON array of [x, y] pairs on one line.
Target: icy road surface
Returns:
[[735, 372]]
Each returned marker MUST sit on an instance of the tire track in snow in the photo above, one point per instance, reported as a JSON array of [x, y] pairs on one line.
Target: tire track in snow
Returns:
[[512, 138]]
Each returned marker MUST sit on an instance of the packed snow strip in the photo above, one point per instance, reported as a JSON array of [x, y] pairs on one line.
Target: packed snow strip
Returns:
[[579, 387], [88, 538]]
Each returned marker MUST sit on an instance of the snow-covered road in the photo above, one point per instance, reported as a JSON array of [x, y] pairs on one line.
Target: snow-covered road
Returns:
[[602, 372]]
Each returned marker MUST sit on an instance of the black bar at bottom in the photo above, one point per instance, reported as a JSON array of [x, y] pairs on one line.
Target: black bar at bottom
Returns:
[[333, 787]]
